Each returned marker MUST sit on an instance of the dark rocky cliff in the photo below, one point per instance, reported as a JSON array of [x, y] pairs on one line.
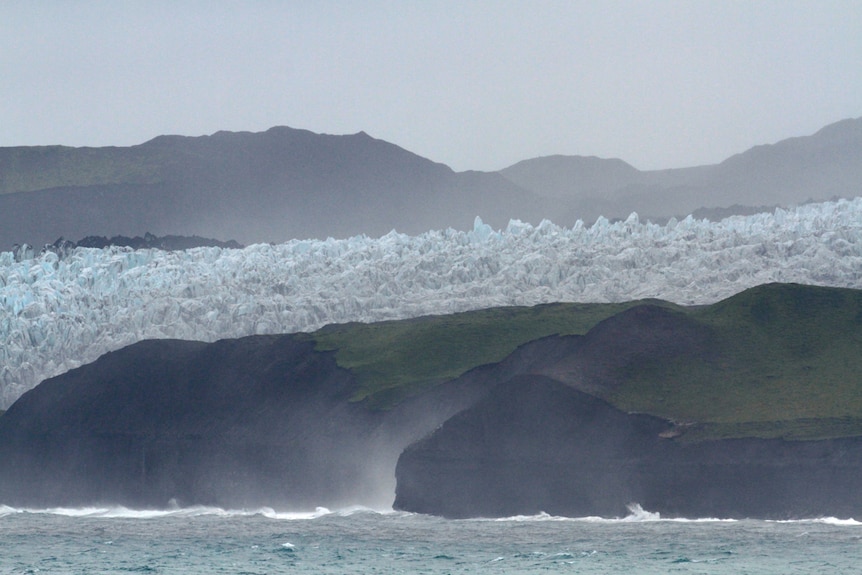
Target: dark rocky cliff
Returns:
[[255, 421], [536, 445], [185, 420], [270, 421]]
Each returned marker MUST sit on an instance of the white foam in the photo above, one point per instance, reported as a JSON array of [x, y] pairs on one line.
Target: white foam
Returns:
[[824, 520], [837, 521], [637, 514], [640, 515], [6, 510], [120, 512], [59, 313]]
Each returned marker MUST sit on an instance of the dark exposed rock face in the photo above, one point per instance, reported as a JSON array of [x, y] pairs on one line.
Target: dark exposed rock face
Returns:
[[150, 241], [261, 420], [537, 445], [532, 445], [196, 422], [267, 420]]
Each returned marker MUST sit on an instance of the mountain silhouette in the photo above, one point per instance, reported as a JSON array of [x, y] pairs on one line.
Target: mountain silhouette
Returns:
[[823, 166], [286, 183], [251, 187]]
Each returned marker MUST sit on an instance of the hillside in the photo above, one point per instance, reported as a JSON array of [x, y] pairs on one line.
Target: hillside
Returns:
[[779, 360], [784, 362], [394, 360], [825, 165], [287, 184], [250, 187]]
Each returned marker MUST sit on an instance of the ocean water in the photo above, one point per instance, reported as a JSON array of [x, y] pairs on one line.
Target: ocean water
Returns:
[[206, 540]]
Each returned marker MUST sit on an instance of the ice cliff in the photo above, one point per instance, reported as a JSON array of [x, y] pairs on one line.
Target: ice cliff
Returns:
[[57, 313]]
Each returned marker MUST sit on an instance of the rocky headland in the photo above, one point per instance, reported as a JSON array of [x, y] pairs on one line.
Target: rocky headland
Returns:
[[535, 445], [746, 408]]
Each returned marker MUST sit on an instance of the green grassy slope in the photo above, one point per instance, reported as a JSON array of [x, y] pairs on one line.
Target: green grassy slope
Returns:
[[25, 169], [395, 359], [787, 363], [787, 360]]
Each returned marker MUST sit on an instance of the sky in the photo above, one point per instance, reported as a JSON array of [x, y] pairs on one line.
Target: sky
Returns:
[[472, 84]]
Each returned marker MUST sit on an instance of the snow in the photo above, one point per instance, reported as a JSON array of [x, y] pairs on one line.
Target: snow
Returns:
[[57, 313]]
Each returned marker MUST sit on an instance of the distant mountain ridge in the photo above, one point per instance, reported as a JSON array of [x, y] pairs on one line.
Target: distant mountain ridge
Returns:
[[251, 187], [819, 167], [286, 183]]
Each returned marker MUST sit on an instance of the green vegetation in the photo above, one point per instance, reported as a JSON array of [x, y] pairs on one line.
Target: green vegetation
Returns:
[[396, 359], [786, 362], [25, 169], [783, 360]]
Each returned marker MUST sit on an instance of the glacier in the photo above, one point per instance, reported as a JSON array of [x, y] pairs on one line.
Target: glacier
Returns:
[[59, 311]]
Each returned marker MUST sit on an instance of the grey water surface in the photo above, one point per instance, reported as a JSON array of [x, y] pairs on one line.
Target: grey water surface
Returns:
[[192, 541]]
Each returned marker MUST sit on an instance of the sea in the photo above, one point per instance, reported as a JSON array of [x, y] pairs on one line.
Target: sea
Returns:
[[203, 540]]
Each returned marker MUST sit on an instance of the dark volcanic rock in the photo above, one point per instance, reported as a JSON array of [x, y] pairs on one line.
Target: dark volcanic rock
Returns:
[[515, 451], [150, 241], [245, 421], [267, 420], [261, 420], [536, 445]]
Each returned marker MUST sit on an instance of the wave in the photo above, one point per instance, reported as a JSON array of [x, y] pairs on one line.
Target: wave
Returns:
[[823, 520], [637, 514], [120, 512]]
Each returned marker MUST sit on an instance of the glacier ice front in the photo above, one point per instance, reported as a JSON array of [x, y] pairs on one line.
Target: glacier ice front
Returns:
[[58, 313]]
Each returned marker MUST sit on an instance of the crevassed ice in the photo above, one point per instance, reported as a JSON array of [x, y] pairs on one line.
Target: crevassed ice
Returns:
[[56, 314]]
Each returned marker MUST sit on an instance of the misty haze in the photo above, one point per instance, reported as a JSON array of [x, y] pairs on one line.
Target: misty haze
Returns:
[[430, 288]]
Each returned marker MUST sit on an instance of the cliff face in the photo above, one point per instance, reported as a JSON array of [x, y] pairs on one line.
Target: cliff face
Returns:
[[536, 445], [255, 421], [270, 421], [199, 423]]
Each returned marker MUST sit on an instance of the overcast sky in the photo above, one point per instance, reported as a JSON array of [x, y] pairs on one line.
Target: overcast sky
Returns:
[[475, 85]]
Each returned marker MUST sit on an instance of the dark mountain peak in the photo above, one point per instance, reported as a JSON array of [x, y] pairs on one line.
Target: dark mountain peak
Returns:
[[289, 183], [570, 176], [849, 127], [575, 162], [164, 140], [229, 138], [789, 304], [843, 137], [275, 185]]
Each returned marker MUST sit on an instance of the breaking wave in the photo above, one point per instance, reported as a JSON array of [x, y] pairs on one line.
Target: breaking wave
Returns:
[[825, 521], [120, 512], [637, 514], [57, 313]]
